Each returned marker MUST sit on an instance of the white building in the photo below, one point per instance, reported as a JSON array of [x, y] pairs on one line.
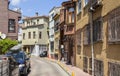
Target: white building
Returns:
[[52, 12]]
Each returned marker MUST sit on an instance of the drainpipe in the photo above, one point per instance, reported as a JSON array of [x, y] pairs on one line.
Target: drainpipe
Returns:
[[91, 36]]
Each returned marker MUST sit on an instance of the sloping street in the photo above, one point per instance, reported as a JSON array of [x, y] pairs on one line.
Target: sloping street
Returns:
[[41, 67]]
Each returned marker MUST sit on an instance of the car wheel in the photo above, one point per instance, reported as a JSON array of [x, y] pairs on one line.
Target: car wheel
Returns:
[[25, 71]]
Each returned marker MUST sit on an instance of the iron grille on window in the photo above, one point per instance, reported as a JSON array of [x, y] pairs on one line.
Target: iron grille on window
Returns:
[[98, 68], [114, 25], [86, 34], [11, 26], [97, 30], [114, 69], [90, 66], [85, 64]]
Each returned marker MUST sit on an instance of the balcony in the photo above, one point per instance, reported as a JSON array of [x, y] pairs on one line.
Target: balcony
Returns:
[[62, 16], [69, 30], [96, 3]]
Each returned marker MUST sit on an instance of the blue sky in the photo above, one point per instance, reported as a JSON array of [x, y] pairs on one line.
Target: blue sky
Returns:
[[29, 7]]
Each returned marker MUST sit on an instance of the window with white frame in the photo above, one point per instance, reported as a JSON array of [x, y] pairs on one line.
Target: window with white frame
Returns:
[[86, 2], [79, 5]]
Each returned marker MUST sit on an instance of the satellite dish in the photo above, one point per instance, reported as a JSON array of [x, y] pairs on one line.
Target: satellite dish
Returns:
[[3, 36]]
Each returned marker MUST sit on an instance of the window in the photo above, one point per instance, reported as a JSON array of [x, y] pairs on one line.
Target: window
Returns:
[[78, 36], [29, 35], [23, 35], [90, 66], [37, 21], [98, 68], [71, 17], [85, 64], [34, 23], [34, 35], [85, 2], [11, 25], [28, 23], [40, 35], [86, 34], [79, 6], [114, 25], [52, 46], [97, 30], [114, 69], [51, 16]]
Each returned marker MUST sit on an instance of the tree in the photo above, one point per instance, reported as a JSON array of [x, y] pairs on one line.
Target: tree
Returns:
[[6, 44]]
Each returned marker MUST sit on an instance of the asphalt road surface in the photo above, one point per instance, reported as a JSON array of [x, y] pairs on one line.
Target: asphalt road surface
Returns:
[[42, 67]]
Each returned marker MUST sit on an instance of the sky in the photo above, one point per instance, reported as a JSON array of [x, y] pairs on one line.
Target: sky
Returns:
[[30, 7]]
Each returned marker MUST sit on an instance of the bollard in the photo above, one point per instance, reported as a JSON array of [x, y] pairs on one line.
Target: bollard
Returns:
[[73, 74]]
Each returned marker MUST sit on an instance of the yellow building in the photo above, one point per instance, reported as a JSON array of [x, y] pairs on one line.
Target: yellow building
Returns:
[[57, 34], [102, 17]]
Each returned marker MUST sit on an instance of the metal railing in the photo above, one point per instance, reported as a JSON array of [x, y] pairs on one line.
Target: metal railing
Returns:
[[8, 70], [4, 68]]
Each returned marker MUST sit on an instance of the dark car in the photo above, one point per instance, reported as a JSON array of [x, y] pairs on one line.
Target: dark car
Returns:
[[43, 54], [22, 61]]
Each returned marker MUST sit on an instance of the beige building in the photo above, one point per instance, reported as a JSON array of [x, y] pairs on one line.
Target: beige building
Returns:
[[103, 18], [35, 34], [57, 34]]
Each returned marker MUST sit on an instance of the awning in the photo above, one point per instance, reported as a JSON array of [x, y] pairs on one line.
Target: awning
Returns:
[[16, 47]]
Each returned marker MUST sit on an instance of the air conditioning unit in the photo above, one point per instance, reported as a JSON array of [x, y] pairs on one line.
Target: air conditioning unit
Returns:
[[96, 3]]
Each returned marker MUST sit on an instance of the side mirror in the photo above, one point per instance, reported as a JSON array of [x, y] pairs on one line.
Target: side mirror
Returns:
[[27, 59]]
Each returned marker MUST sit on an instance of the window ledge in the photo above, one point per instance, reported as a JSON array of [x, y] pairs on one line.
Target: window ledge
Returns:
[[114, 42], [98, 41]]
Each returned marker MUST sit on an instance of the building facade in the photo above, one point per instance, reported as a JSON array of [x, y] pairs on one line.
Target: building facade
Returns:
[[9, 20], [67, 31], [34, 33], [52, 12], [98, 37], [57, 34]]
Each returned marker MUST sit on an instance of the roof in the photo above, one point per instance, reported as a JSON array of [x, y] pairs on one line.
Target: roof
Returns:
[[16, 47], [32, 26], [14, 11], [28, 18]]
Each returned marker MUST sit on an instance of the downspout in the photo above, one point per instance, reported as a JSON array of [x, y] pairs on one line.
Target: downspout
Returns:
[[91, 36]]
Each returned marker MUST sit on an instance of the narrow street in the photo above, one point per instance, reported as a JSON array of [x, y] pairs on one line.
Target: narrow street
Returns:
[[41, 67]]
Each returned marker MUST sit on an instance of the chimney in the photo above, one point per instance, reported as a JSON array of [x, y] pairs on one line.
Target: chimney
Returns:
[[36, 13]]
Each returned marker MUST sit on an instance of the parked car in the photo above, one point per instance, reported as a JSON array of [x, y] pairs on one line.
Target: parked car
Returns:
[[22, 60], [43, 54]]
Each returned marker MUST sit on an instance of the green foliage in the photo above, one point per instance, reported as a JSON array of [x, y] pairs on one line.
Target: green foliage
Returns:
[[6, 44]]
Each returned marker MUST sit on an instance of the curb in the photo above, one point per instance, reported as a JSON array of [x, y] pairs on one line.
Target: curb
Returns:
[[59, 63]]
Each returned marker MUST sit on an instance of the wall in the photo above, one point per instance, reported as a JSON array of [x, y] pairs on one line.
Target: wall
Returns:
[[14, 15], [102, 50], [4, 16]]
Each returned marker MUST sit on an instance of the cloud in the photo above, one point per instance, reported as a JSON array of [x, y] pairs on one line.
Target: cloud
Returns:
[[15, 2]]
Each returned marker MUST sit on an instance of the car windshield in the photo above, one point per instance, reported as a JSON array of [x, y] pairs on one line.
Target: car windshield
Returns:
[[19, 56]]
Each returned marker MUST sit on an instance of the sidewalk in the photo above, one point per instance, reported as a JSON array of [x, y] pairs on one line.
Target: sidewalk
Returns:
[[71, 70]]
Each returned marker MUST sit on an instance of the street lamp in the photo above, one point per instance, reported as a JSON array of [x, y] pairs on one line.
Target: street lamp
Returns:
[[2, 36]]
